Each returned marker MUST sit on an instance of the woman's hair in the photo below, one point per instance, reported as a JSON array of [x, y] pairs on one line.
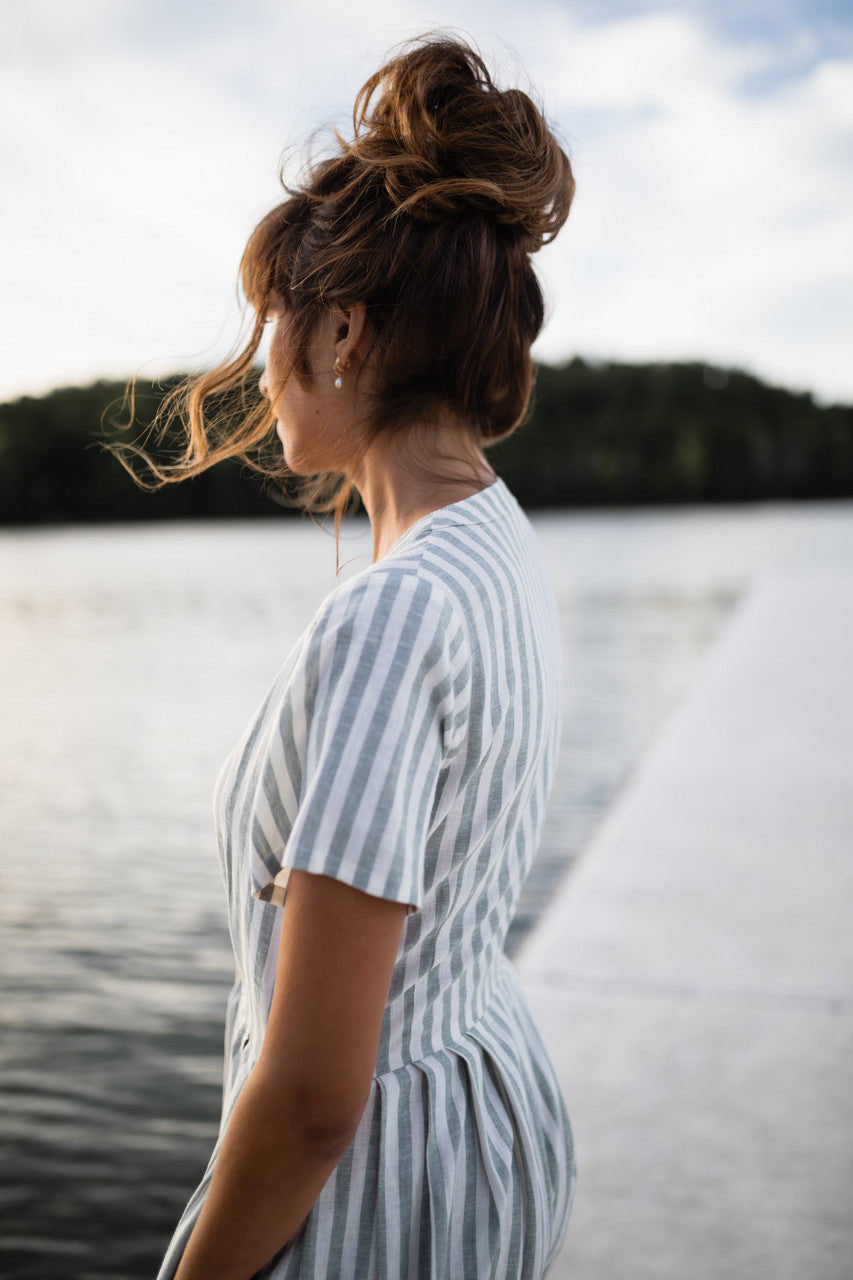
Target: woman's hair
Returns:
[[427, 217]]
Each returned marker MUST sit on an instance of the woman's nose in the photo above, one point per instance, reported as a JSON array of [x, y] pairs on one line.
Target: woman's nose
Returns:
[[263, 386]]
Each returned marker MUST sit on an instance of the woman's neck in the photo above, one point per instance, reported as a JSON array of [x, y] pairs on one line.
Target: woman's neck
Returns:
[[400, 481]]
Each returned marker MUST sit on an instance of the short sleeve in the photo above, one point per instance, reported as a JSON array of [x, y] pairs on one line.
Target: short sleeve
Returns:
[[375, 708]]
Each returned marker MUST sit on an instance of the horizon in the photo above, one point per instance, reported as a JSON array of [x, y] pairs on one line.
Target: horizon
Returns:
[[710, 368]]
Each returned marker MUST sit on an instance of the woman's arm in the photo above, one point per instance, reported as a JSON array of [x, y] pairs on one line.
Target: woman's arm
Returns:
[[302, 1103]]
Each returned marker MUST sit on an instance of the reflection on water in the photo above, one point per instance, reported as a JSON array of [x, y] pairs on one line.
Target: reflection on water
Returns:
[[132, 660]]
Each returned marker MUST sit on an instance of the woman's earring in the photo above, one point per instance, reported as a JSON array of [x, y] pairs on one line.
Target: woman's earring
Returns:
[[340, 368]]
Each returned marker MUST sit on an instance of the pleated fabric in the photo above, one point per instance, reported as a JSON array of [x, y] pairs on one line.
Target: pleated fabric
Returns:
[[407, 749]]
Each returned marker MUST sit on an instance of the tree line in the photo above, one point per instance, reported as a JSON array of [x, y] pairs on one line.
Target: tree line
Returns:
[[596, 435]]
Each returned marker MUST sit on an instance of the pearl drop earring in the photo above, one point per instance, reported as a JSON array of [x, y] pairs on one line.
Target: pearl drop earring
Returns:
[[340, 368]]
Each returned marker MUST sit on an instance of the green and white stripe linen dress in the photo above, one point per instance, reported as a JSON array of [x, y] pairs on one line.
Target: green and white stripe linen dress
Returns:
[[407, 749]]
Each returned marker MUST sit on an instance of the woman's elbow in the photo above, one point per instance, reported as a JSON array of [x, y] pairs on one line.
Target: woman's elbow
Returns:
[[327, 1137], [321, 1118]]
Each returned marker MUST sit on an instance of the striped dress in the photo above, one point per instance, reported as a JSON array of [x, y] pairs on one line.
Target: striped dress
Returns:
[[407, 748]]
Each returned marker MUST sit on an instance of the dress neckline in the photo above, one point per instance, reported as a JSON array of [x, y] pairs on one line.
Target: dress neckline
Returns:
[[476, 508]]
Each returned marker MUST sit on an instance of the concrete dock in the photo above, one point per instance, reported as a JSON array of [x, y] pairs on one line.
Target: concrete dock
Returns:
[[694, 976]]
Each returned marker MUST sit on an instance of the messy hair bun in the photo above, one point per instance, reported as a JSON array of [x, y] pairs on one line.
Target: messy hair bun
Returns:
[[428, 217], [447, 142]]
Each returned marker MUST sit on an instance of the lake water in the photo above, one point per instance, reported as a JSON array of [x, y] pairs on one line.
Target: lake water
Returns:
[[132, 659]]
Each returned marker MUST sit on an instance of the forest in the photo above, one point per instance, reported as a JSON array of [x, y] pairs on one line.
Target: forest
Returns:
[[597, 434]]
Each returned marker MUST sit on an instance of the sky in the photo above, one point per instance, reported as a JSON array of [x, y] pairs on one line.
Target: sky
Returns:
[[711, 140]]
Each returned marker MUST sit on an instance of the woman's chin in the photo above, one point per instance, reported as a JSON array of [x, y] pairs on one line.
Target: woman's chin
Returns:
[[308, 462], [300, 464]]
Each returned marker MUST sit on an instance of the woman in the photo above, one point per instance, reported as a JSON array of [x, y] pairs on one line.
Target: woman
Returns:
[[389, 1110]]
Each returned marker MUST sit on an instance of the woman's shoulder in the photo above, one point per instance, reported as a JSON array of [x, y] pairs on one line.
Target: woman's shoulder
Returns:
[[395, 601], [389, 637]]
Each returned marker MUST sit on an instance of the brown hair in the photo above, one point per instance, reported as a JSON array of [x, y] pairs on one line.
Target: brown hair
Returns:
[[428, 217]]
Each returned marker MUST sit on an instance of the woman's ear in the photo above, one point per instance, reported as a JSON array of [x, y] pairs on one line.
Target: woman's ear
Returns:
[[350, 332]]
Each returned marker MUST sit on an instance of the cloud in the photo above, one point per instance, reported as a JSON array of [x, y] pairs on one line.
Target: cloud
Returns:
[[709, 221], [136, 166], [713, 176]]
